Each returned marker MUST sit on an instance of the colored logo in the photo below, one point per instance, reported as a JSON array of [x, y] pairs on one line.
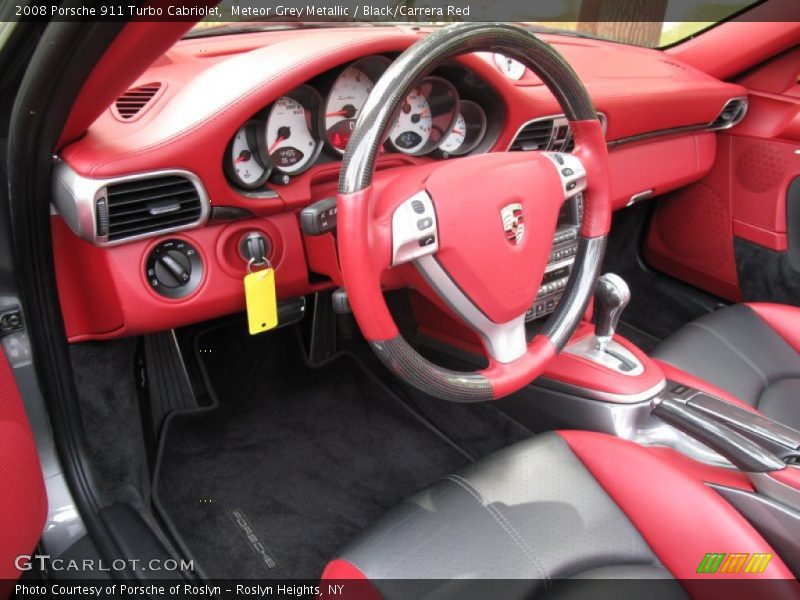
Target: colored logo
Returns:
[[513, 223], [742, 562]]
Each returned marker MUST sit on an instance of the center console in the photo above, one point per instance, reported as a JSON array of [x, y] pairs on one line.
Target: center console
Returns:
[[562, 257]]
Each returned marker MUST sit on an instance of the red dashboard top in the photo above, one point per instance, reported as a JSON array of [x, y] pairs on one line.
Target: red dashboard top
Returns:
[[211, 85]]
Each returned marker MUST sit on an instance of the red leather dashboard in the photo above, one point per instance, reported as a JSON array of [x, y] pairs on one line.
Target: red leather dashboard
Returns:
[[212, 85]]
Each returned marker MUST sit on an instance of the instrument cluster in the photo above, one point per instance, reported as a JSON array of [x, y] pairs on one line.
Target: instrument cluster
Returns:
[[449, 113]]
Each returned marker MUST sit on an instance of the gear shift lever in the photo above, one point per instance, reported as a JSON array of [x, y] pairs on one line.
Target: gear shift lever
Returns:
[[612, 296]]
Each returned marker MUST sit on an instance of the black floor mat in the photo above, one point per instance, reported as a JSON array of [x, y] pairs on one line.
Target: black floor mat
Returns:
[[293, 459]]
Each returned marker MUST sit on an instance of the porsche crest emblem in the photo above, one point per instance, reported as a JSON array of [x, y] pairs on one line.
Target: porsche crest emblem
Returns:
[[513, 223]]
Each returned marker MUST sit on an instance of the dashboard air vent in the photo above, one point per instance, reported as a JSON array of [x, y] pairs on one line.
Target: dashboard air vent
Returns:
[[145, 206], [131, 103], [535, 135], [733, 112], [550, 134]]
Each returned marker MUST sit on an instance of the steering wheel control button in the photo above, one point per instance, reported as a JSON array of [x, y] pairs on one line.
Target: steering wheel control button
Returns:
[[414, 237], [571, 172], [174, 268], [427, 241]]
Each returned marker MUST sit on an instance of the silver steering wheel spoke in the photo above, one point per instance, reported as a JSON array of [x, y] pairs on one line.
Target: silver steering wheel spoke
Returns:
[[505, 342]]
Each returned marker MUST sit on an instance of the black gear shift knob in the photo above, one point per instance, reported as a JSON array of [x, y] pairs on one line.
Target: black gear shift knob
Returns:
[[611, 297]]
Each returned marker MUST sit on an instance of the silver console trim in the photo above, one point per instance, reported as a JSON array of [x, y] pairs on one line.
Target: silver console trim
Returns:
[[591, 348], [610, 397], [772, 488], [75, 200]]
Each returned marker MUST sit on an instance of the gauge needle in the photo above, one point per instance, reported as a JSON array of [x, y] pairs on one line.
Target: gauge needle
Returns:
[[348, 110], [275, 144], [457, 131], [244, 156]]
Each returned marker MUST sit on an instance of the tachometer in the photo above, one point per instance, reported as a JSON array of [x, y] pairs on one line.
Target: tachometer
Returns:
[[347, 97], [467, 131], [246, 162], [425, 116], [291, 132]]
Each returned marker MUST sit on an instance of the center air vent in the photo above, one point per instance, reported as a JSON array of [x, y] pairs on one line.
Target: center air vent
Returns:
[[140, 207], [130, 104], [534, 135], [548, 134], [733, 112]]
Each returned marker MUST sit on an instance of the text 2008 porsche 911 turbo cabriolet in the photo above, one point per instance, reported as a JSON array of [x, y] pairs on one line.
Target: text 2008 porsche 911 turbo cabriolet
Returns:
[[401, 310]]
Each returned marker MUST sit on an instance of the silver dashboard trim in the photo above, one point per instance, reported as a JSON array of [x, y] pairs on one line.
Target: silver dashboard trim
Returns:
[[743, 111], [75, 200]]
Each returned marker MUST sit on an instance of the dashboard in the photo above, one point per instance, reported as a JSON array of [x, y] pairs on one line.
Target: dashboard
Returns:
[[224, 143]]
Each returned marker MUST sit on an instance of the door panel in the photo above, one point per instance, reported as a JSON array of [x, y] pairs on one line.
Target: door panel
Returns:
[[23, 502], [691, 233], [737, 233]]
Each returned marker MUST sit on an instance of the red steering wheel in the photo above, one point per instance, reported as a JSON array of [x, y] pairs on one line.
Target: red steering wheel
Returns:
[[477, 229]]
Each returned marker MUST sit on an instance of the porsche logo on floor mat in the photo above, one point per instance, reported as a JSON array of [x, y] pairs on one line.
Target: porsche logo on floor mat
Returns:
[[250, 535]]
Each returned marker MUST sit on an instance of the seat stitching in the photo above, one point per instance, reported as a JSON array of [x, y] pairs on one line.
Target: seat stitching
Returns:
[[505, 524], [735, 350]]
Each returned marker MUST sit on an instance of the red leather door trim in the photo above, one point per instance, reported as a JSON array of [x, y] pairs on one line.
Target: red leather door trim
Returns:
[[23, 502]]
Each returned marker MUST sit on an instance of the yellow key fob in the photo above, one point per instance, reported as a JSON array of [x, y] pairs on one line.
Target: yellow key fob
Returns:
[[262, 302]]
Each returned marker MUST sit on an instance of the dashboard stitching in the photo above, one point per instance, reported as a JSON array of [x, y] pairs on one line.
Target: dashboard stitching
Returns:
[[115, 158]]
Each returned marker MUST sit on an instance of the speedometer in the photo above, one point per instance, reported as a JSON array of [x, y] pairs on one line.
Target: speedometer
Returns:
[[347, 97], [291, 138], [425, 116]]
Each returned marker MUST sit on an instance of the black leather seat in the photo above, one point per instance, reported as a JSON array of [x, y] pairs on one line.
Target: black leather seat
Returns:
[[549, 516], [747, 351]]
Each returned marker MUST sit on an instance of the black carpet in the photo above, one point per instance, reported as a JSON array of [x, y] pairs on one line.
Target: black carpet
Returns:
[[292, 462]]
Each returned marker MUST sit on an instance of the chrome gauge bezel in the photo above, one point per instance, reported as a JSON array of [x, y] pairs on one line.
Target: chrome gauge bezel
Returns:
[[444, 124], [476, 123], [373, 67], [255, 134], [311, 101]]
